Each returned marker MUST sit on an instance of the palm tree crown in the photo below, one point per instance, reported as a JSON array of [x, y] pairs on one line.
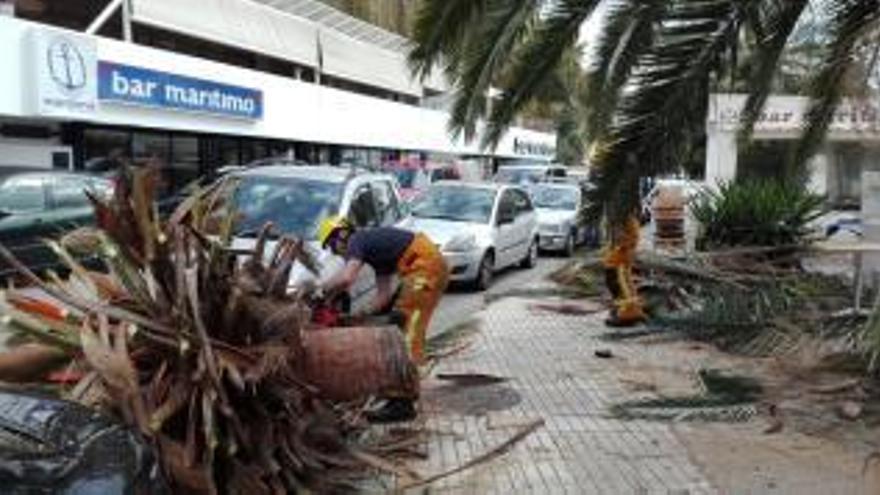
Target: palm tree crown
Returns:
[[647, 88]]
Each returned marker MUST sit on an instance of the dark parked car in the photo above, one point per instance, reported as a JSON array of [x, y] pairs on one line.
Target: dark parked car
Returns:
[[58, 447], [38, 204]]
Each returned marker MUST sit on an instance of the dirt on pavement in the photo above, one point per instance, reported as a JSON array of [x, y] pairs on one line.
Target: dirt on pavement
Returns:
[[800, 438]]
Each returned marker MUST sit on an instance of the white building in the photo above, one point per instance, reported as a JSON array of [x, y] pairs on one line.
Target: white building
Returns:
[[199, 84], [852, 146]]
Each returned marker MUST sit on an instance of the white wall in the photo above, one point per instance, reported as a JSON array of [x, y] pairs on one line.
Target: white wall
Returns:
[[782, 118], [293, 110], [30, 152]]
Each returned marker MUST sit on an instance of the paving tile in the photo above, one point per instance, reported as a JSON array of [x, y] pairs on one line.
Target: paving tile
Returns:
[[581, 448]]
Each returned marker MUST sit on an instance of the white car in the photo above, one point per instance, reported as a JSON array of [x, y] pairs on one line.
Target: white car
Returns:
[[480, 228], [527, 175], [296, 198], [558, 207]]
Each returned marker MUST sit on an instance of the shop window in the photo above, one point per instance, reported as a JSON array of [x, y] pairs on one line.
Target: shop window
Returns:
[[184, 165], [375, 159], [105, 150], [153, 150], [229, 151], [253, 149], [359, 157], [762, 160], [151, 147]]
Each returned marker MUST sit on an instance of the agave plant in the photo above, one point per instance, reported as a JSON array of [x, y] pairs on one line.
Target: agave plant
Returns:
[[195, 345], [756, 213]]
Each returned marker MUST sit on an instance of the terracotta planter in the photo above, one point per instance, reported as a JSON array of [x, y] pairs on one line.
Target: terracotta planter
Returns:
[[350, 363]]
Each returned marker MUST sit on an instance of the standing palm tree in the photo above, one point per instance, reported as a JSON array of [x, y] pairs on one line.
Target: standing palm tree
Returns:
[[647, 90]]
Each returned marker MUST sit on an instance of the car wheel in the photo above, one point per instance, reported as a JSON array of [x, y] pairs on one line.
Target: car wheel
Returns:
[[485, 272], [531, 258], [569, 245]]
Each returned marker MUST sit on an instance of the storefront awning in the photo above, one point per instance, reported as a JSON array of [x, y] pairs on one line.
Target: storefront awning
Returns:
[[339, 44], [239, 23]]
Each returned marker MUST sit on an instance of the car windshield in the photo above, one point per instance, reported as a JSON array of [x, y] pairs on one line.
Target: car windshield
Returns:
[[556, 198], [459, 204], [294, 205], [23, 193], [520, 175]]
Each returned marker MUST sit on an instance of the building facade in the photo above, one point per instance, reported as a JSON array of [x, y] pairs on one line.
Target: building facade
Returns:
[[200, 84], [852, 146]]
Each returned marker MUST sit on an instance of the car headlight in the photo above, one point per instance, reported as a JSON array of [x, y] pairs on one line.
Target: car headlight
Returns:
[[461, 244]]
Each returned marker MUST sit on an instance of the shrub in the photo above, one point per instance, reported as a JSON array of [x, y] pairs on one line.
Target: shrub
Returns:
[[755, 213]]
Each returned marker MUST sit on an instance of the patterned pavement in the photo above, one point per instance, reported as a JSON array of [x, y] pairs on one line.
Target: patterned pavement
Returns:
[[554, 376]]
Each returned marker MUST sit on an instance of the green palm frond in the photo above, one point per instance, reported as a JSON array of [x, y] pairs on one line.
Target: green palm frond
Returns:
[[665, 104], [774, 24], [539, 55], [503, 27], [646, 95], [629, 29], [851, 21], [439, 31]]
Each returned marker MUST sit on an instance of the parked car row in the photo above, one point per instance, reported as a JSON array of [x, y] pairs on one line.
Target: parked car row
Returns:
[[481, 228], [38, 205]]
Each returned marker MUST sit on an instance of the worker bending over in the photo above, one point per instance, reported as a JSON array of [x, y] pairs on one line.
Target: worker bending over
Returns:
[[390, 251]]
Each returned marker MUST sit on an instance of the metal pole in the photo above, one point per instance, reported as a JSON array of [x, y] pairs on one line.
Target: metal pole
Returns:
[[102, 18], [319, 66], [126, 21]]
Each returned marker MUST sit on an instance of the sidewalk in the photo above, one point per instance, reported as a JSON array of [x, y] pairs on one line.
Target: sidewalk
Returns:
[[553, 375]]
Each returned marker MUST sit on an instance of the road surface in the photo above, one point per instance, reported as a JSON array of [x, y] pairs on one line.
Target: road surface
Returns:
[[459, 304]]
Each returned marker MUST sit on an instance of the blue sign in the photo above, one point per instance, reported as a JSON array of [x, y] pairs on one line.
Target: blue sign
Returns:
[[136, 85]]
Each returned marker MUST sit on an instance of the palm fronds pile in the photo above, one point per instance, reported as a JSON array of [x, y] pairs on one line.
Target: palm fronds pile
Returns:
[[198, 351]]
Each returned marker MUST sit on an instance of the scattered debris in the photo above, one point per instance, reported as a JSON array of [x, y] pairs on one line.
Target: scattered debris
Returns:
[[776, 424], [850, 410], [452, 339], [837, 387], [501, 449], [872, 458], [581, 309], [724, 398], [470, 379]]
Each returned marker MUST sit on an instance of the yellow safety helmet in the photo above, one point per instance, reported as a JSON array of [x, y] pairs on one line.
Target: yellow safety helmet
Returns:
[[328, 226]]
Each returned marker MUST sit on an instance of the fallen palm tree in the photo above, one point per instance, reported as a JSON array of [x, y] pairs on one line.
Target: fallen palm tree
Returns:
[[197, 346]]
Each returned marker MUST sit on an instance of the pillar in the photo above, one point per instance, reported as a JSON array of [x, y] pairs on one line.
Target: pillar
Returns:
[[871, 222], [721, 157], [819, 170]]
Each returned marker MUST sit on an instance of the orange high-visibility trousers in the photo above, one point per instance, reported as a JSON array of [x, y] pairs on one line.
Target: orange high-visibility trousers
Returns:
[[424, 277], [618, 260]]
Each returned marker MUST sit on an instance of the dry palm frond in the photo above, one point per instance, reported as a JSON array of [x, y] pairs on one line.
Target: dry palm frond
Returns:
[[198, 349]]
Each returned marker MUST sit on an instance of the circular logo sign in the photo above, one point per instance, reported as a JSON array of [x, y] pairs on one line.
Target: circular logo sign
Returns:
[[66, 66]]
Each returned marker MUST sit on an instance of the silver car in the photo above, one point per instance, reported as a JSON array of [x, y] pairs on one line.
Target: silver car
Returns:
[[480, 228], [296, 198], [558, 207]]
